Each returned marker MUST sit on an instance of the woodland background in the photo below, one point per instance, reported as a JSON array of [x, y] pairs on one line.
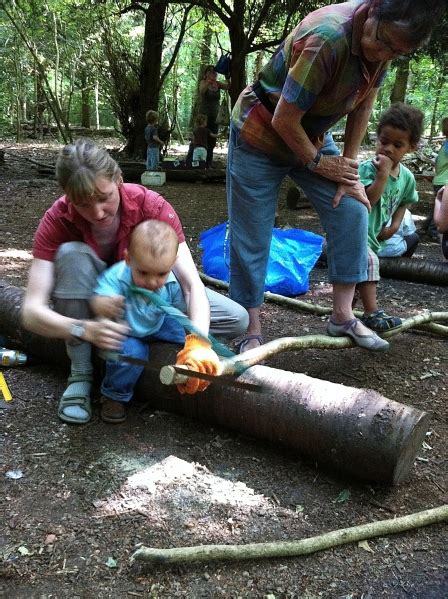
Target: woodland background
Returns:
[[73, 67], [72, 521]]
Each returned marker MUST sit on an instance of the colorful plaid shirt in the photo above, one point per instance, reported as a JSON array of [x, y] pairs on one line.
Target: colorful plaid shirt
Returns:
[[319, 68]]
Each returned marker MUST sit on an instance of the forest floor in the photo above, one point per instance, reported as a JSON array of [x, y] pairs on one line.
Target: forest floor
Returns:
[[76, 512]]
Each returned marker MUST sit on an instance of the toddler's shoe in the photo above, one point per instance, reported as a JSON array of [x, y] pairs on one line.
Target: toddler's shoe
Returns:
[[370, 341], [112, 411], [381, 322]]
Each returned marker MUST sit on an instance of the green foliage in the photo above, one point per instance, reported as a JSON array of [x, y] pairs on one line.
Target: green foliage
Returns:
[[83, 45]]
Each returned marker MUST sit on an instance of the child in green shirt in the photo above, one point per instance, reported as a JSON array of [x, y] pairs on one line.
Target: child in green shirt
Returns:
[[390, 187]]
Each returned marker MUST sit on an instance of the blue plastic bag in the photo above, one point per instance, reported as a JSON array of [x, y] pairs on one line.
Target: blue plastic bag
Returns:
[[292, 256]]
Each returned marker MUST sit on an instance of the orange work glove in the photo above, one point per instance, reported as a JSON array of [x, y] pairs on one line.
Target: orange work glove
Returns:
[[198, 355]]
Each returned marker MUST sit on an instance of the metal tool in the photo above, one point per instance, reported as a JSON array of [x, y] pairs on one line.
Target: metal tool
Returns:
[[173, 374]]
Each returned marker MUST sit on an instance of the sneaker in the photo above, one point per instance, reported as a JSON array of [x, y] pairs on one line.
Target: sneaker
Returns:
[[381, 322], [371, 341]]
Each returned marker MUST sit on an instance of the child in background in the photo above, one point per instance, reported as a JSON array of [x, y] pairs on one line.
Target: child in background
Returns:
[[440, 178], [153, 140], [149, 259], [441, 219], [390, 187], [404, 242], [201, 138]]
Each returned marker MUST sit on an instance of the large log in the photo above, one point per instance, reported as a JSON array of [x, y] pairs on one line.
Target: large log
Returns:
[[415, 270], [356, 431]]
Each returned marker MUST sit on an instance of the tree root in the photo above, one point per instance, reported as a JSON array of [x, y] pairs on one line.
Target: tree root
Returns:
[[292, 548]]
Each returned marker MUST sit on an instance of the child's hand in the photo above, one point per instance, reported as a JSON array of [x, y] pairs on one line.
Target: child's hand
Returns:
[[382, 163], [111, 307], [386, 233]]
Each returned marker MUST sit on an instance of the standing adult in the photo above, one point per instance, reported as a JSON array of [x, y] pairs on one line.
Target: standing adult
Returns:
[[82, 233], [441, 219], [210, 96], [330, 66]]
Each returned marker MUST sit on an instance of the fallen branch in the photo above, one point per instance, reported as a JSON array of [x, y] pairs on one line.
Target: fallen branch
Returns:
[[289, 302], [292, 548], [240, 362], [26, 159]]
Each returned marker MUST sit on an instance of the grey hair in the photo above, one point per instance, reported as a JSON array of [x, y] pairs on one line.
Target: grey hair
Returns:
[[80, 164], [417, 18], [156, 237]]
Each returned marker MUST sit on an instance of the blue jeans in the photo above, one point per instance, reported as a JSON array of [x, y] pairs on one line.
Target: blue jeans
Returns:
[[121, 377], [253, 182], [152, 158]]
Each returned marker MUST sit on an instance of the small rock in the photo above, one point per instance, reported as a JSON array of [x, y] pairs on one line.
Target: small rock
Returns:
[[50, 539]]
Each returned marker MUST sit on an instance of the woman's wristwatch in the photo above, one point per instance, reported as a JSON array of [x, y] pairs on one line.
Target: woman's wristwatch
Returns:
[[77, 330], [314, 163]]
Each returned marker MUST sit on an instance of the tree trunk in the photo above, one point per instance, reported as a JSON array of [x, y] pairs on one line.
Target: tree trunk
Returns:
[[238, 44], [204, 61], [97, 104], [438, 92], [356, 431], [398, 93], [85, 100], [149, 92]]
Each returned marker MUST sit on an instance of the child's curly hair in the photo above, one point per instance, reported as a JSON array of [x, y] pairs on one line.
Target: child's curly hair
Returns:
[[405, 117]]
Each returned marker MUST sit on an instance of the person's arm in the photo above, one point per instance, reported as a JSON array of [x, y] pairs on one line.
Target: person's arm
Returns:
[[287, 122], [355, 129], [157, 139], [203, 86], [197, 353], [441, 210], [383, 166], [38, 317], [389, 231], [198, 307], [356, 125]]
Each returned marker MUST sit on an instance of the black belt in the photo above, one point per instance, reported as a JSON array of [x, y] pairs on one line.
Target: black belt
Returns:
[[259, 91]]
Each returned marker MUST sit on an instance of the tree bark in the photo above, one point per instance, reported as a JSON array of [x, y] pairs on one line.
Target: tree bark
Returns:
[[401, 81], [356, 431]]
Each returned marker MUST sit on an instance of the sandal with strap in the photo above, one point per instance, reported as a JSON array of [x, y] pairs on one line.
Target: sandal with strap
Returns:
[[381, 322], [78, 399], [241, 345]]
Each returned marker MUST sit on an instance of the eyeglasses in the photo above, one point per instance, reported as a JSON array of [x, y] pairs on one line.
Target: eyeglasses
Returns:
[[398, 52]]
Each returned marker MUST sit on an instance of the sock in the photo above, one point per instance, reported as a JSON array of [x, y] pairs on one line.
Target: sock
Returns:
[[80, 356]]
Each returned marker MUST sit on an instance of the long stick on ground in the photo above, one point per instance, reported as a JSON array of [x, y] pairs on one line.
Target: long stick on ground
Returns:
[[292, 548]]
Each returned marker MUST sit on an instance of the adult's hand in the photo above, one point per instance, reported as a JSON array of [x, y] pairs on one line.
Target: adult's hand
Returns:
[[105, 333], [356, 191], [338, 168]]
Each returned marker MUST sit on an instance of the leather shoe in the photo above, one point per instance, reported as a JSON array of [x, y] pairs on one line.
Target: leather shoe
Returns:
[[112, 411]]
